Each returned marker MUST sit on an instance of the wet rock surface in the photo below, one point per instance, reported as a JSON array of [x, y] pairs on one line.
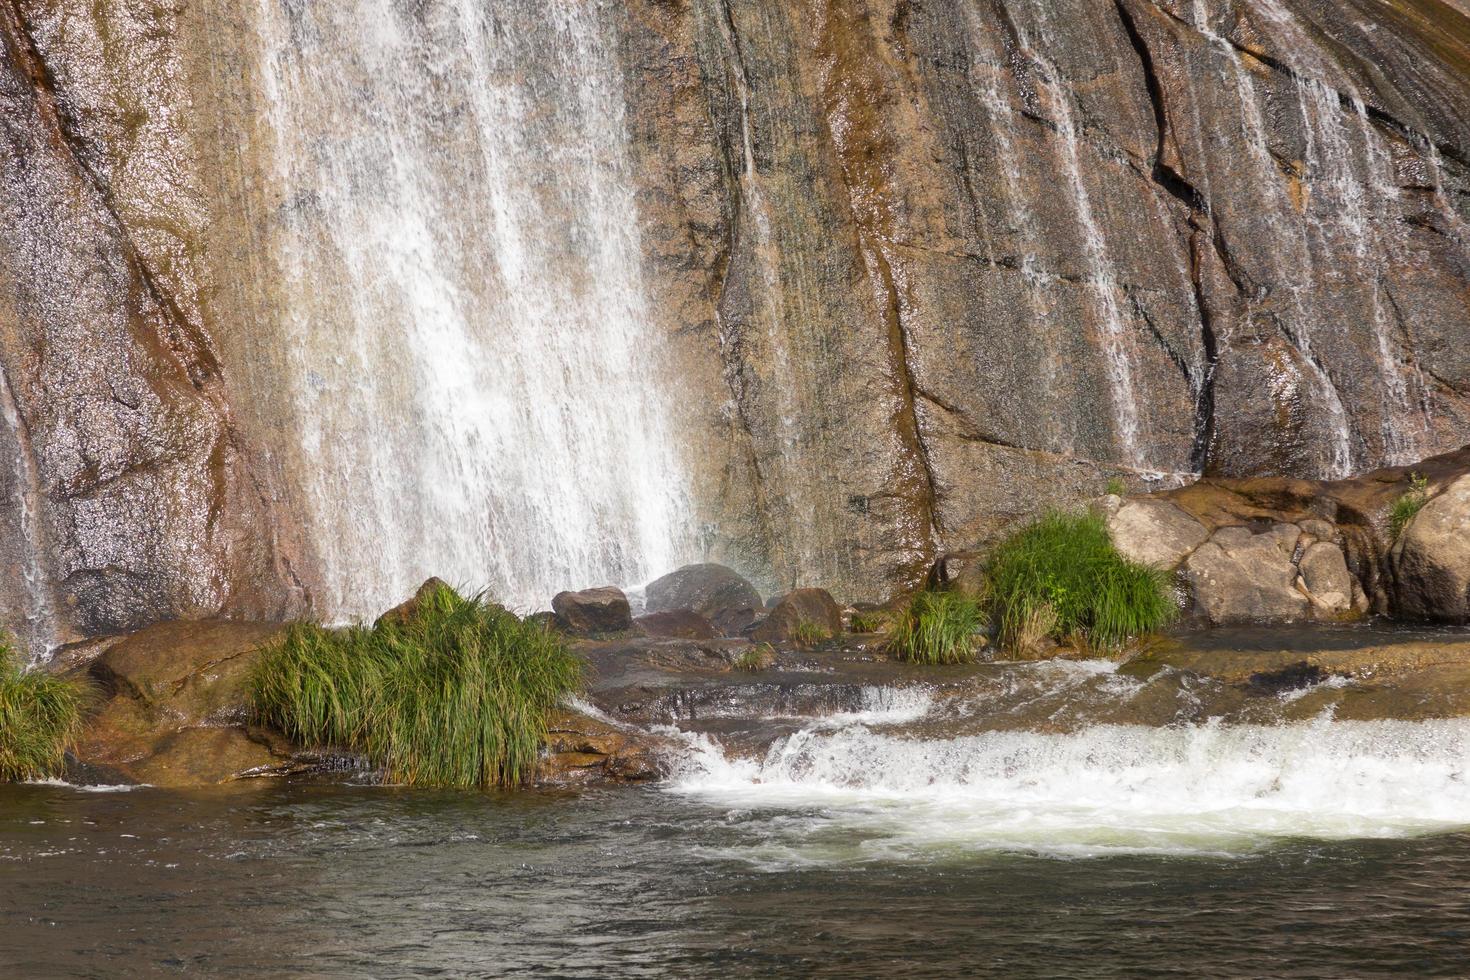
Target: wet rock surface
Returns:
[[922, 269], [592, 611], [680, 623], [811, 611], [718, 593]]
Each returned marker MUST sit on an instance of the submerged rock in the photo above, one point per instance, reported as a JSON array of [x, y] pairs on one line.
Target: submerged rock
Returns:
[[1431, 560], [592, 611]]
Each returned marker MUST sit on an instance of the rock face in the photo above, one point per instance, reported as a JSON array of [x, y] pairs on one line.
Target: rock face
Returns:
[[1431, 561], [591, 611], [921, 269], [811, 609]]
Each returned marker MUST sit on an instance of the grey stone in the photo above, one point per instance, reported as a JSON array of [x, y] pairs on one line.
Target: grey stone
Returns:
[[1243, 577], [1325, 574], [1431, 560], [1155, 532]]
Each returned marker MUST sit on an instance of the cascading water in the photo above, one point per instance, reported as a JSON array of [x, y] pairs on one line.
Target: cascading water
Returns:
[[37, 630], [858, 787], [1293, 259], [474, 375], [1354, 202]]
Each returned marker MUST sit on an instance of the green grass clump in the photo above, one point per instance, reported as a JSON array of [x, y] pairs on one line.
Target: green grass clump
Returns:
[[808, 634], [1117, 487], [455, 694], [40, 717], [1061, 577], [758, 657], [868, 622], [937, 628], [1409, 504]]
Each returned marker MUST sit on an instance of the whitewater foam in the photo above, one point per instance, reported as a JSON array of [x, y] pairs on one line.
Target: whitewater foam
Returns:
[[849, 792]]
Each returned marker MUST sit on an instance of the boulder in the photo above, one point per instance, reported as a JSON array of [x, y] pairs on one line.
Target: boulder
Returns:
[[407, 609], [960, 571], [592, 611], [680, 623], [1431, 560], [717, 593], [1240, 576], [1325, 576], [187, 673], [175, 708], [815, 607], [1155, 532]]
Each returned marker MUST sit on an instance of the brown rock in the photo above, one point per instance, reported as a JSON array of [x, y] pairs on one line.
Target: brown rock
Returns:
[[176, 705], [405, 611], [813, 608], [581, 749], [592, 611]]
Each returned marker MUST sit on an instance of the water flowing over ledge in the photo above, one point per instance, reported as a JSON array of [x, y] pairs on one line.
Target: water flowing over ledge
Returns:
[[853, 788]]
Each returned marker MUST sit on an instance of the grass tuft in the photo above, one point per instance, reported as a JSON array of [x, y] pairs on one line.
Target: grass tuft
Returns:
[[937, 628], [1409, 503], [1117, 487], [864, 621], [758, 657], [454, 695], [1061, 577], [40, 717], [808, 634]]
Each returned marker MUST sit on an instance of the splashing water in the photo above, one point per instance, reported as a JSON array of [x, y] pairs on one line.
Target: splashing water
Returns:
[[855, 792]]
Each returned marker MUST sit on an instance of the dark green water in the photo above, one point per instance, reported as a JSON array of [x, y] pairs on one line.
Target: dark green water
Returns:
[[337, 882]]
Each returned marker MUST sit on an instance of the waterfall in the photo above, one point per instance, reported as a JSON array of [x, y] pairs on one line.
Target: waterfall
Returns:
[[1293, 261], [472, 370], [36, 624], [1356, 200]]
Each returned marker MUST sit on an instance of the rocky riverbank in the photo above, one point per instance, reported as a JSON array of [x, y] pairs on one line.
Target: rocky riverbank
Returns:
[[1288, 586]]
